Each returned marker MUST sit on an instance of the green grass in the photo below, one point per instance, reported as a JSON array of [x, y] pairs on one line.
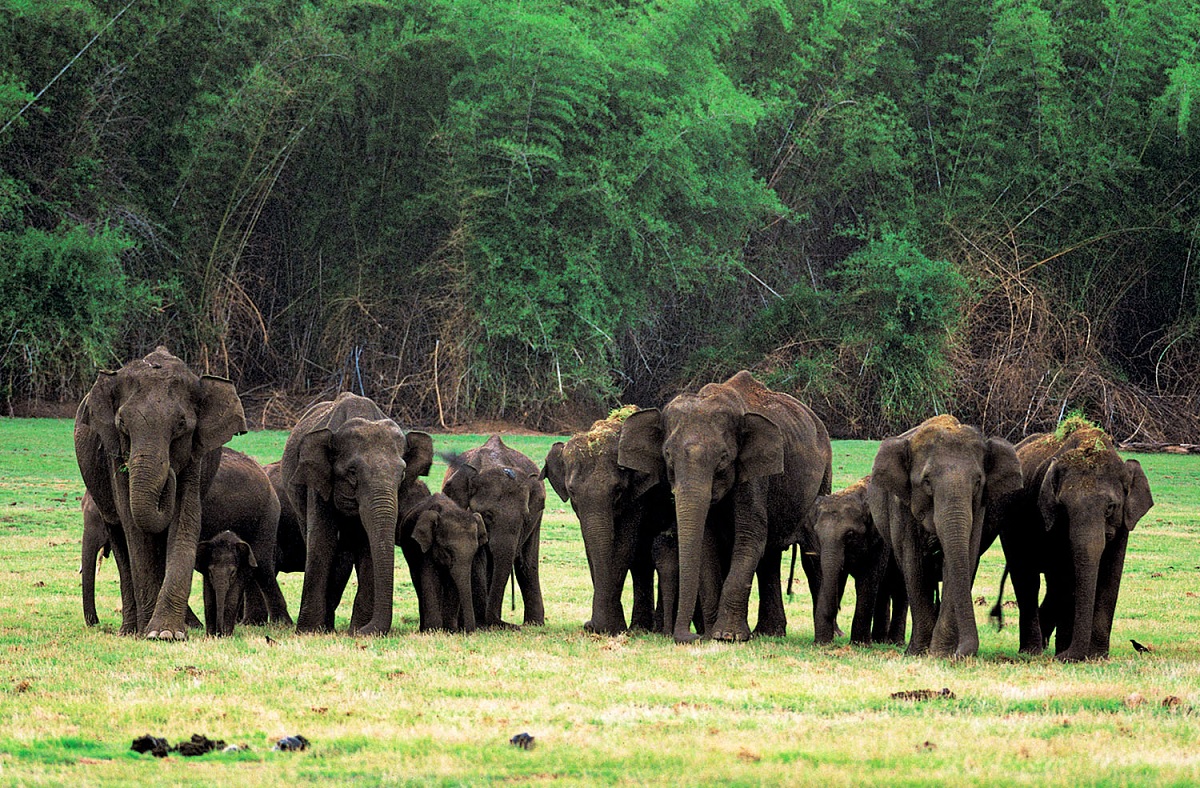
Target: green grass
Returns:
[[632, 709]]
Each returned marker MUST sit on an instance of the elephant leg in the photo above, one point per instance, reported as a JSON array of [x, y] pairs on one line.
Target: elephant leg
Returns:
[[430, 600], [1027, 588], [712, 574], [146, 558], [120, 554], [944, 641], [168, 621], [733, 611], [526, 570], [920, 600], [866, 589], [364, 598], [642, 570], [772, 619], [1108, 586], [255, 610], [191, 619], [1057, 613], [316, 608], [211, 627]]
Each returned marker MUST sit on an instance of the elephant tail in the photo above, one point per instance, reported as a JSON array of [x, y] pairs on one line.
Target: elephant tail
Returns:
[[452, 458], [792, 571], [997, 614]]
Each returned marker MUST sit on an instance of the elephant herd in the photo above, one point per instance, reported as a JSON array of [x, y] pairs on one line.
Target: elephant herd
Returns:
[[706, 492]]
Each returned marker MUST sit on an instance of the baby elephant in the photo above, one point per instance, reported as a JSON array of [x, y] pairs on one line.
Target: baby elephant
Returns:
[[226, 562], [850, 545], [442, 543]]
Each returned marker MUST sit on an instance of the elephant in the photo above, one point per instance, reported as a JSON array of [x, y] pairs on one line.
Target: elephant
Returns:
[[1071, 523], [226, 563], [240, 498], [443, 545], [620, 511], [849, 544], [745, 464], [505, 487], [930, 492], [347, 466], [148, 441]]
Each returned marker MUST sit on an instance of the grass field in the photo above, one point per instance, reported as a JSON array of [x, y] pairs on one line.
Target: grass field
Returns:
[[633, 709]]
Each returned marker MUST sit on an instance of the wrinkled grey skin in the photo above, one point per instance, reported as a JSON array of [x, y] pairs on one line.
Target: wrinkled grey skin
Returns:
[[620, 511], [226, 564], [241, 499], [745, 464], [505, 487], [346, 466], [148, 440], [929, 494], [849, 545], [1072, 523], [443, 545]]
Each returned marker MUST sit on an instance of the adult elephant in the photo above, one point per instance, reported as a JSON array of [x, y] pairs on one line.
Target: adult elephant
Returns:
[[620, 512], [849, 545], [1072, 524], [443, 545], [505, 487], [930, 491], [745, 463], [148, 442], [241, 499], [346, 466]]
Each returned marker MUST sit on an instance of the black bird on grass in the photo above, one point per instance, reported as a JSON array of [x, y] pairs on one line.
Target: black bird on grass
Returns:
[[1139, 648]]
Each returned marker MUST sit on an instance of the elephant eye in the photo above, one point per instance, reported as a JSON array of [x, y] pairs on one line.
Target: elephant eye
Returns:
[[1110, 510], [927, 485]]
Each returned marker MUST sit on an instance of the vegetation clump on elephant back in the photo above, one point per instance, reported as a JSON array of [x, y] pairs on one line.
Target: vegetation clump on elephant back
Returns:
[[1073, 422], [603, 433]]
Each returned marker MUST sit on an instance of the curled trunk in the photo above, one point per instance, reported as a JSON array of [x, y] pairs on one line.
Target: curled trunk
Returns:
[[151, 493]]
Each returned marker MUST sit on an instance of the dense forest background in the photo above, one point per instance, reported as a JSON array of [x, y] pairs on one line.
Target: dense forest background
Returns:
[[533, 210]]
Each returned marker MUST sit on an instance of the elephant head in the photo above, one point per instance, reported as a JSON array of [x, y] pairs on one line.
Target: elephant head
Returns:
[[147, 439], [944, 475], [353, 461], [702, 445], [226, 562], [1089, 499], [609, 501], [451, 538]]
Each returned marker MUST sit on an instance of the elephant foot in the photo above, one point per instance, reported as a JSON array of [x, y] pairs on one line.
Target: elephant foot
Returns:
[[731, 634], [166, 634], [686, 638], [771, 631], [1032, 651], [502, 625], [371, 630]]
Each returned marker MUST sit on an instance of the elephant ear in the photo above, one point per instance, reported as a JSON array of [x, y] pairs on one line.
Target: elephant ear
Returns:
[[418, 454], [480, 529], [458, 480], [315, 467], [892, 467], [760, 448], [203, 556], [1004, 480], [219, 414], [423, 531], [98, 412], [555, 470], [1048, 494], [247, 554], [641, 444], [1137, 496]]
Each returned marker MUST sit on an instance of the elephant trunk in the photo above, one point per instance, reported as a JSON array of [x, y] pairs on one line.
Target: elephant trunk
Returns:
[[1085, 557], [608, 579], [954, 530], [379, 522], [461, 575], [226, 592], [151, 492], [827, 601], [691, 510]]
